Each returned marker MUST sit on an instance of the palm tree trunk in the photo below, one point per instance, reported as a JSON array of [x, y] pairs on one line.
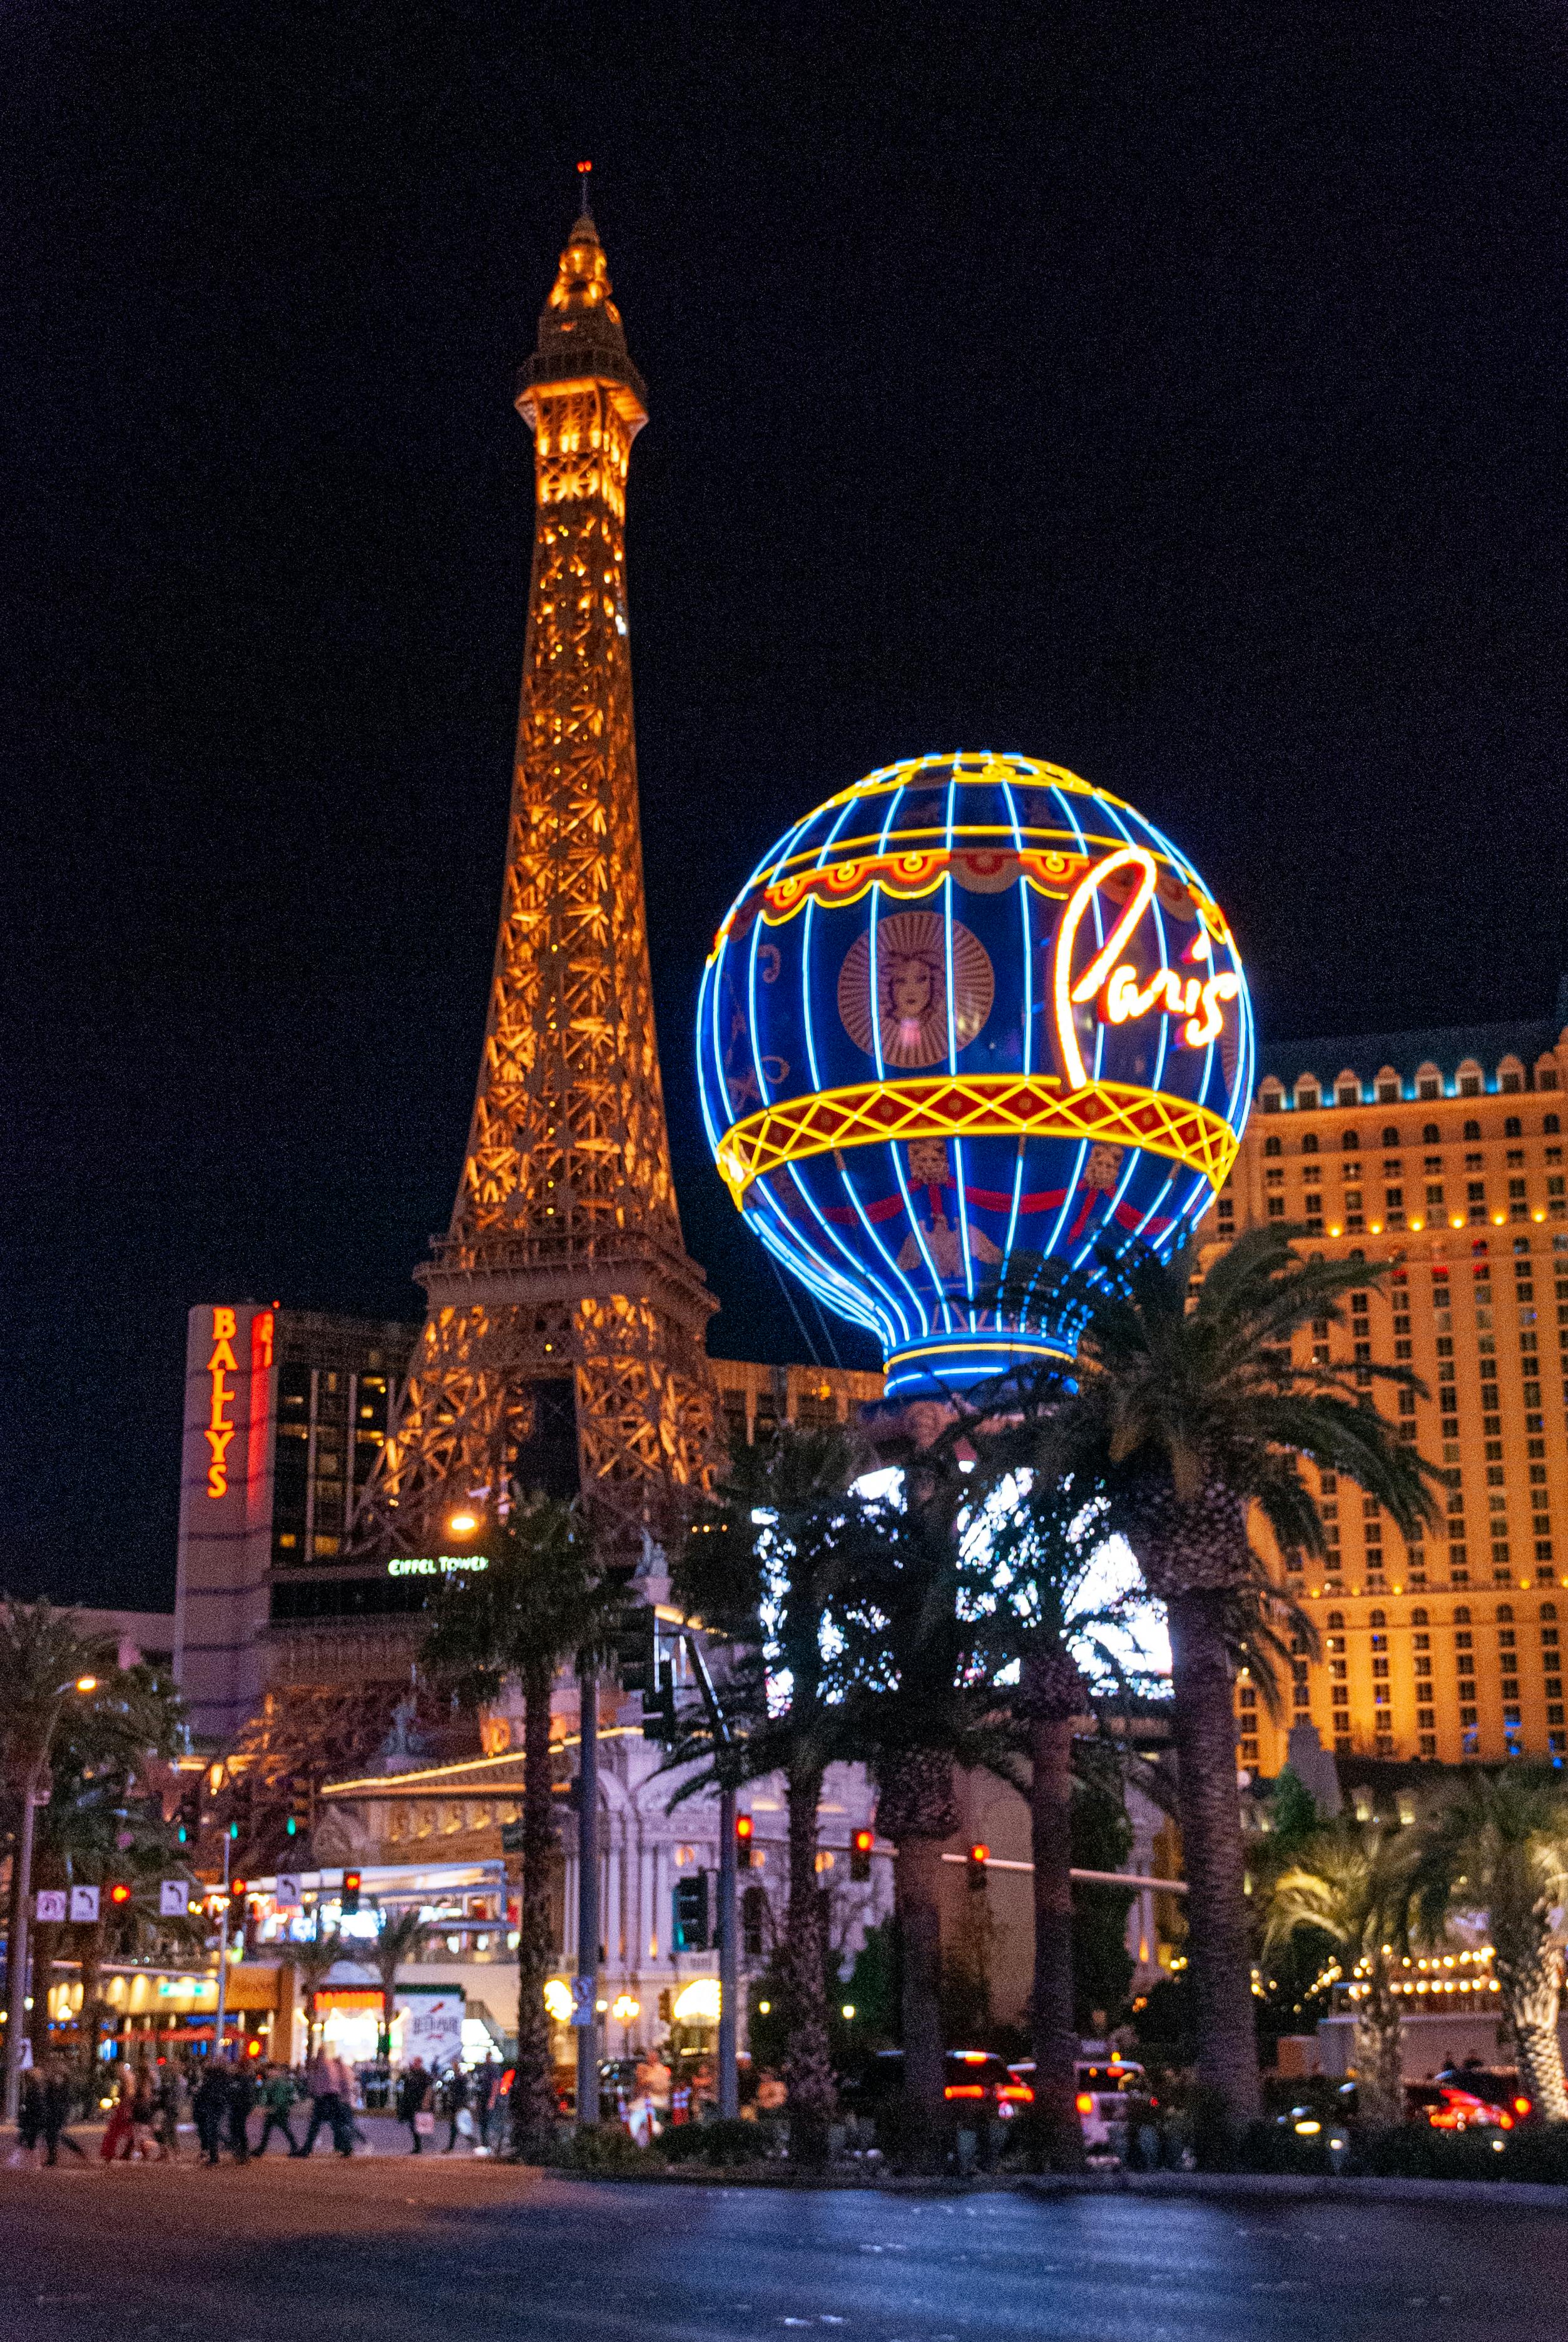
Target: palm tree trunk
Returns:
[[1530, 1995], [1219, 1935], [1054, 2030], [1379, 2049], [45, 1943], [808, 2067], [533, 2097], [92, 2017], [918, 1880]]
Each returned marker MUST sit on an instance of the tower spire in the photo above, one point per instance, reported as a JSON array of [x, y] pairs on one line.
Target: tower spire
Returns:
[[586, 211], [564, 1343]]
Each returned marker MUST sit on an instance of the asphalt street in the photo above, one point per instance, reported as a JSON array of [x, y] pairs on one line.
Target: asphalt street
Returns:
[[427, 2251]]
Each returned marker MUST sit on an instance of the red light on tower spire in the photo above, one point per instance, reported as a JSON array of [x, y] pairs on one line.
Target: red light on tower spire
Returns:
[[583, 171]]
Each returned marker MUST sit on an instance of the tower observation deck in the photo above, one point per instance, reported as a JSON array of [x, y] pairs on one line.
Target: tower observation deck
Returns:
[[563, 1344]]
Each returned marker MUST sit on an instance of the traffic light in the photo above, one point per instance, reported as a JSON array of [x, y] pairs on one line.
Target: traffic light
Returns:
[[754, 1922], [237, 1905], [860, 1847], [690, 1931], [189, 1813], [642, 1674], [119, 1893], [350, 1905], [742, 1841], [979, 1855], [299, 1808]]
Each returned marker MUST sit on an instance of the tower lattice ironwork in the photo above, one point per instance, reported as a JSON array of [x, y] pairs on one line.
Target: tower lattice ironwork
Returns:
[[563, 1337]]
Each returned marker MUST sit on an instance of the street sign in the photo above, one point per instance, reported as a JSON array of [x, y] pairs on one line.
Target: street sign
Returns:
[[50, 1908], [584, 1991], [25, 2057], [289, 1895], [173, 1898], [84, 1906]]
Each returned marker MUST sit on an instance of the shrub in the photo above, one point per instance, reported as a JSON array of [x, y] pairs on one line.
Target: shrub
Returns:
[[604, 2147], [723, 2144]]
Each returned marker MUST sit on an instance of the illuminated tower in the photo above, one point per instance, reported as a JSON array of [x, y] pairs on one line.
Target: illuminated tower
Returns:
[[564, 1340]]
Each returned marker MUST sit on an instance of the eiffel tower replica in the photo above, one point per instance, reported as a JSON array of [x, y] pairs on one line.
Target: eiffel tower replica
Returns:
[[562, 1346]]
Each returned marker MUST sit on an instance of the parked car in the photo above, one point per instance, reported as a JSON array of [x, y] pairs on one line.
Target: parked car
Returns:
[[1469, 2098], [974, 2077], [1111, 2092]]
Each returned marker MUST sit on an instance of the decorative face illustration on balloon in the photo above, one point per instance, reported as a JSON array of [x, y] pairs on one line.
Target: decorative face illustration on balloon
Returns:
[[970, 1021]]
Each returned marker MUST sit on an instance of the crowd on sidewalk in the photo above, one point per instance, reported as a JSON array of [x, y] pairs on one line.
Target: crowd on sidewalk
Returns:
[[238, 2109]]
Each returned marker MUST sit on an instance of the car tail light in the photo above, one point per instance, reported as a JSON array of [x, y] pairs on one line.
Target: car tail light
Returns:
[[1506, 2122], [965, 2090], [1521, 2106], [1084, 2102], [1019, 2090]]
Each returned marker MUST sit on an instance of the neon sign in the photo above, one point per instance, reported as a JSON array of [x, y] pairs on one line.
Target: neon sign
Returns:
[[220, 1424], [439, 1565], [1197, 1000]]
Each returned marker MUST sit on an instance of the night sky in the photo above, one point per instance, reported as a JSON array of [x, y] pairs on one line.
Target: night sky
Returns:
[[1177, 394]]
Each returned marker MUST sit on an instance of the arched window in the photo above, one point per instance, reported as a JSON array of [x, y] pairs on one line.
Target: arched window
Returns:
[[1429, 1134], [1462, 1615], [1351, 1142], [1511, 1074], [1418, 1618], [1545, 1073], [1309, 1143], [1510, 1126], [1470, 1082], [1272, 1144], [1378, 1618], [1505, 1614], [1270, 1096], [1549, 1610], [1336, 1618], [1388, 1088], [1472, 1130], [1347, 1090], [1551, 1125], [1428, 1082], [1390, 1134], [1307, 1091]]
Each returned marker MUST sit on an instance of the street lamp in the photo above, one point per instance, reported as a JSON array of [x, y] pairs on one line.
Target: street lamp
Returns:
[[463, 1523]]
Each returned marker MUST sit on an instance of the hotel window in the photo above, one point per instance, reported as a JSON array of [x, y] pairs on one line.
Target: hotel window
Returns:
[[1309, 1144], [1308, 1095], [1549, 1122], [1227, 1211], [1348, 1091], [1433, 1198], [1271, 1097], [1429, 1083], [1351, 1142], [1470, 1081], [1273, 1176], [1273, 1145], [1276, 1207]]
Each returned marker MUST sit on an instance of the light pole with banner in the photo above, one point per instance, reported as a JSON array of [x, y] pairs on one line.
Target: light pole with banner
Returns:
[[35, 1785]]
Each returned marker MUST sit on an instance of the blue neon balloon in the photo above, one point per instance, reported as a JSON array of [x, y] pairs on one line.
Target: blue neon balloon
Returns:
[[970, 1015]]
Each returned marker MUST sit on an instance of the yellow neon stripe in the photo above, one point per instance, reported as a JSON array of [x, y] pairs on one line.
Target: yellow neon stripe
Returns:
[[974, 1106], [968, 1342]]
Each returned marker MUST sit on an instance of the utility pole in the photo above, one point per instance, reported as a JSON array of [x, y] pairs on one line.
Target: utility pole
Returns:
[[584, 2016], [727, 1929], [223, 1959], [16, 1950]]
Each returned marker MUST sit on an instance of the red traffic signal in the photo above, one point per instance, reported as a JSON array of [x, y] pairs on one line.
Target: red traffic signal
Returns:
[[744, 1841], [979, 1855], [860, 1847], [119, 1893], [349, 1904]]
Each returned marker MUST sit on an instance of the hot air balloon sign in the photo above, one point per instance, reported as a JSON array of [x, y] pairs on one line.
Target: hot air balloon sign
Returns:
[[970, 1014]]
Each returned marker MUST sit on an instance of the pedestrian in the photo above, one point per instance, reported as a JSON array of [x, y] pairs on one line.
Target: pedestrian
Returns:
[[120, 2134], [322, 2082], [413, 2104], [242, 2101], [30, 2117], [458, 2116], [167, 2108], [145, 2145], [56, 2112], [484, 2082], [209, 2106], [277, 2097]]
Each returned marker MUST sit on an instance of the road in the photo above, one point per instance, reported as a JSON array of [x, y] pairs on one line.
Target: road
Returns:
[[394, 2250]]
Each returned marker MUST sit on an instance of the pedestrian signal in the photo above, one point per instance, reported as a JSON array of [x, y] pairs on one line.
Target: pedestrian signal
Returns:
[[860, 1847], [691, 1929]]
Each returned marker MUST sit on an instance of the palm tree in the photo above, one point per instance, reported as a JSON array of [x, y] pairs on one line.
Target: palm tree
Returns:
[[918, 1704], [1500, 1844], [765, 1565], [398, 1941], [1348, 1883], [313, 1962], [544, 1601], [1191, 1408], [45, 1656], [1028, 1547]]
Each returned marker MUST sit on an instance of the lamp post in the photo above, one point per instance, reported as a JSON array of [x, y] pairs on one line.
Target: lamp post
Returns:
[[584, 2017], [34, 1794]]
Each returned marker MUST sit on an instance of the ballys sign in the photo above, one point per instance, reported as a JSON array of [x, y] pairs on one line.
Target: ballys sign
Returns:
[[223, 1373]]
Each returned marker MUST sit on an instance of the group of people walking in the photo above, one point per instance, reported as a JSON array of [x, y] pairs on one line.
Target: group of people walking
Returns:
[[152, 2104]]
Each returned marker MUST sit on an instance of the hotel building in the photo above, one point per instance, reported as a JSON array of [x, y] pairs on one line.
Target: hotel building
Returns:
[[1437, 1158]]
